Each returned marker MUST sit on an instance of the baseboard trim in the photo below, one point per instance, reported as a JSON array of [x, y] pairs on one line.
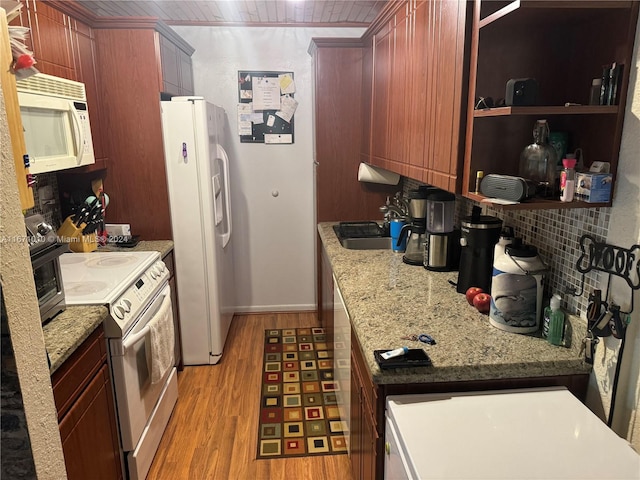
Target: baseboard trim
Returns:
[[276, 309]]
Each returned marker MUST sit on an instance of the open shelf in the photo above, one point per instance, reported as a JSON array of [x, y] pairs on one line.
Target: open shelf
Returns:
[[535, 203], [546, 4], [547, 110]]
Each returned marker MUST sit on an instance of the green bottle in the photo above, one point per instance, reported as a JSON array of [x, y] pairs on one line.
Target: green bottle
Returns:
[[556, 321]]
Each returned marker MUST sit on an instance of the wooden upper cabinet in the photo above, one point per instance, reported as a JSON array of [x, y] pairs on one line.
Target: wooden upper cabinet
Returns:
[[380, 106], [64, 47], [367, 75], [177, 69], [337, 128], [83, 45], [419, 90], [51, 39]]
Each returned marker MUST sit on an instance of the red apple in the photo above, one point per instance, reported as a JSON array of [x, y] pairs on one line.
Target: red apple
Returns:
[[471, 293], [482, 302]]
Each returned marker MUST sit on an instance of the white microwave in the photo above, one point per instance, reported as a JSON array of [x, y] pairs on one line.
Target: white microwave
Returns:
[[56, 125]]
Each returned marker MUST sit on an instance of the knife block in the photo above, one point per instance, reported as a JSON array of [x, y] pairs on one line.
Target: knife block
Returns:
[[84, 243], [72, 235]]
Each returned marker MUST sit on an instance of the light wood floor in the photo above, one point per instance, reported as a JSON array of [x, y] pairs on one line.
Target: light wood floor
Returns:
[[213, 431]]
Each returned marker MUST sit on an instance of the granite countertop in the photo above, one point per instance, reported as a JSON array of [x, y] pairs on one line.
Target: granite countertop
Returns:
[[66, 332], [162, 246], [387, 299]]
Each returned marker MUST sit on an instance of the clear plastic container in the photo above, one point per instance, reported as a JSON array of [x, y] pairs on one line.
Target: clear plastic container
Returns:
[[556, 321], [441, 208]]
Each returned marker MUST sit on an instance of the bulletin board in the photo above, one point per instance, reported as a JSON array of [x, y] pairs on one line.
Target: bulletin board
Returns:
[[266, 107]]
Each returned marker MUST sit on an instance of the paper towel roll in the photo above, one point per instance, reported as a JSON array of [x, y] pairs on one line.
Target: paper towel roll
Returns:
[[371, 174]]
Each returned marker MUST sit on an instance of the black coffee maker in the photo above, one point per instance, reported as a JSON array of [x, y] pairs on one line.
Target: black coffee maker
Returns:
[[479, 235]]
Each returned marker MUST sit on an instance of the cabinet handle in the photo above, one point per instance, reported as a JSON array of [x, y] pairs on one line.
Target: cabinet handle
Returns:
[[387, 448]]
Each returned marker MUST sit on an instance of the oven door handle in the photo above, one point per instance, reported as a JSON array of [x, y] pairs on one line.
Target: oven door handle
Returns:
[[131, 340]]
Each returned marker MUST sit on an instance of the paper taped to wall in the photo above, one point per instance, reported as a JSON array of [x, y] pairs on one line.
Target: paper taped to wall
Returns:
[[371, 174]]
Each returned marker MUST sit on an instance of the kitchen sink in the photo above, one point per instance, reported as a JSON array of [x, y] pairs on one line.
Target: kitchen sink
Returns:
[[362, 236]]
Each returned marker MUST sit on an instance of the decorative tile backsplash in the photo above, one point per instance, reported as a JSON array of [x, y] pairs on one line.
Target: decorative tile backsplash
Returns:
[[556, 235]]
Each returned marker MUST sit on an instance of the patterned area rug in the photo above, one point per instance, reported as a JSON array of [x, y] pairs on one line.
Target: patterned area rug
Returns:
[[299, 412]]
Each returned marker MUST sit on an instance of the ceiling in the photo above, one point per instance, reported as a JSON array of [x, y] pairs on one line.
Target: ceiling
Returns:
[[243, 12]]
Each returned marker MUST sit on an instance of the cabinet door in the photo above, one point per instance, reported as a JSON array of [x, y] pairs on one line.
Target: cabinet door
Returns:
[[417, 89], [445, 93], [51, 39], [170, 67], [367, 85], [83, 46], [380, 120], [398, 93], [88, 433], [356, 434], [186, 73], [369, 444]]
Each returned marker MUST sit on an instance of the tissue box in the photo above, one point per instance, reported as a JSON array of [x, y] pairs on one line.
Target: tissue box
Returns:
[[593, 187]]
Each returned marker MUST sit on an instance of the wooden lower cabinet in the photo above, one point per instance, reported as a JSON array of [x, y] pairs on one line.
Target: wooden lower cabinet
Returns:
[[364, 435], [88, 434], [86, 413]]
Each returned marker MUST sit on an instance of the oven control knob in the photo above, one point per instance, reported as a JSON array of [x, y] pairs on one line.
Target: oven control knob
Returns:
[[161, 266], [154, 275], [119, 311], [126, 304]]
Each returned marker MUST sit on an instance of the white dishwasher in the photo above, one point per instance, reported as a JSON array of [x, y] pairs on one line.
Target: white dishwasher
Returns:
[[514, 434]]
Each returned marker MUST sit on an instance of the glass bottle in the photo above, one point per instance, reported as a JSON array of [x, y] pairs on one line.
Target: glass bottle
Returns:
[[538, 161]]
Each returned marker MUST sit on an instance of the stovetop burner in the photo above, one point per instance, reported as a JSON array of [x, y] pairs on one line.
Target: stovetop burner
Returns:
[[111, 261], [99, 278]]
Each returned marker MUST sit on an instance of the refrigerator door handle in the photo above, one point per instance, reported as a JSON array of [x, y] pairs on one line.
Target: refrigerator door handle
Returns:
[[222, 155]]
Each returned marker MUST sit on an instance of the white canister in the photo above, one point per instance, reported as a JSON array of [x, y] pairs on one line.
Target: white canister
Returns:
[[516, 289]]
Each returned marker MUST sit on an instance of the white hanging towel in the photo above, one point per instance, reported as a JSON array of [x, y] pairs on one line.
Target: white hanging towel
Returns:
[[162, 340]]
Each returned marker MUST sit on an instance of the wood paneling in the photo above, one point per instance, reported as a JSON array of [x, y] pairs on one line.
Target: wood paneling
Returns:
[[130, 86], [246, 12], [338, 125], [213, 430]]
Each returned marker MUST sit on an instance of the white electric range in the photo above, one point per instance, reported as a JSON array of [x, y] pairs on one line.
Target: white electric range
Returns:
[[134, 286]]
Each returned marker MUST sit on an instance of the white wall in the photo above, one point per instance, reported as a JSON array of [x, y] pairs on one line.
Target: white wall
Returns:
[[624, 231], [274, 235]]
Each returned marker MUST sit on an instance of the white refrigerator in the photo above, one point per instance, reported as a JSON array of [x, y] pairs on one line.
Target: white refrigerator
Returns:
[[199, 198]]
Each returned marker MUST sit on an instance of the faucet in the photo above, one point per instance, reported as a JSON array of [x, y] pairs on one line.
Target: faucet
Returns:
[[398, 209]]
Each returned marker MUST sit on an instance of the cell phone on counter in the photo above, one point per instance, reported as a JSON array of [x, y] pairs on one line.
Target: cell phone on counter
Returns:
[[415, 357]]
